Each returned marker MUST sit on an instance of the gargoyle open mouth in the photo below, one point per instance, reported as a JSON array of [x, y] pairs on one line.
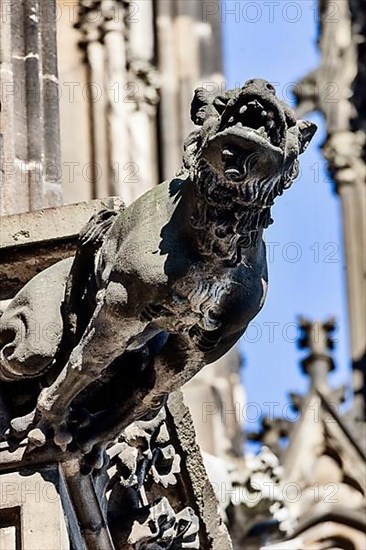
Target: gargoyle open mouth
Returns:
[[264, 118], [252, 135], [252, 131], [259, 114], [249, 137]]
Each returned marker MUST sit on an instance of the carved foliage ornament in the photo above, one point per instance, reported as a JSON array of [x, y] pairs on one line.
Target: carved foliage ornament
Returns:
[[144, 461], [163, 529], [144, 450], [258, 490]]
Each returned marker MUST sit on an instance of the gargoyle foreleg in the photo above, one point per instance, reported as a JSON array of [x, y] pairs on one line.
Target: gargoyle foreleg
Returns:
[[104, 339]]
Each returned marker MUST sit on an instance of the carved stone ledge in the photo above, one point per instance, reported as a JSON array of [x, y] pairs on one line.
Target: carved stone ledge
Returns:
[[31, 242]]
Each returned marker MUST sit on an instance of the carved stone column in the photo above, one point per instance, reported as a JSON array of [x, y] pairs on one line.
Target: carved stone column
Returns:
[[29, 128], [143, 95], [102, 26], [169, 124], [118, 41], [337, 89]]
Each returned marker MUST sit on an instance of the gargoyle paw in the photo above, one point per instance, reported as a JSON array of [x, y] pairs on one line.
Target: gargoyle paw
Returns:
[[36, 429], [19, 427], [62, 436], [37, 437]]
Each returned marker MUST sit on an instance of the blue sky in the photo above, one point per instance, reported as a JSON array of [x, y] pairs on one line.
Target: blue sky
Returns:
[[277, 41]]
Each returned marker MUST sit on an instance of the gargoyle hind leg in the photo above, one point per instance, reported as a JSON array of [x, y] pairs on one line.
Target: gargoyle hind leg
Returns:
[[104, 339]]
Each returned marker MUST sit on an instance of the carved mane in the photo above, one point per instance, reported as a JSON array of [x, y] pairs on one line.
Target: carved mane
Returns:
[[225, 223]]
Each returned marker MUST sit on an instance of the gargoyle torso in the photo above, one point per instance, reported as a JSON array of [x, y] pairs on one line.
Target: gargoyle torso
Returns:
[[169, 282]]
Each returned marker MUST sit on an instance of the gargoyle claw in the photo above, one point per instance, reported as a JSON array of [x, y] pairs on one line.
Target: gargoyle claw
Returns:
[[94, 460], [36, 429], [37, 437], [19, 427], [27, 427], [62, 437]]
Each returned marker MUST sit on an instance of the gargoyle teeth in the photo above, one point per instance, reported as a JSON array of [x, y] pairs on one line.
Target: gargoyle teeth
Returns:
[[227, 152], [260, 116], [220, 102], [262, 131], [255, 103]]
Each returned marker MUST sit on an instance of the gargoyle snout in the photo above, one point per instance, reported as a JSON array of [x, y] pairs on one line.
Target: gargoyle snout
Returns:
[[259, 86]]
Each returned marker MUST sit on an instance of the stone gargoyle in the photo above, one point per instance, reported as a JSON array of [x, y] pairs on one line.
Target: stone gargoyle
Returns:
[[158, 290]]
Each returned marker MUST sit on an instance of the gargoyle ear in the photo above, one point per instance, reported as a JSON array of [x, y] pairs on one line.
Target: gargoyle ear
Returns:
[[220, 102], [306, 132], [200, 102]]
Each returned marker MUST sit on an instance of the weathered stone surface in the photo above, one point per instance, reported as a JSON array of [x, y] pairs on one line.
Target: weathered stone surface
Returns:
[[21, 493], [165, 275]]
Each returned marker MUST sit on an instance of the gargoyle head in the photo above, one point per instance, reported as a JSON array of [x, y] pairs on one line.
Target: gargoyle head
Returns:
[[249, 142]]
